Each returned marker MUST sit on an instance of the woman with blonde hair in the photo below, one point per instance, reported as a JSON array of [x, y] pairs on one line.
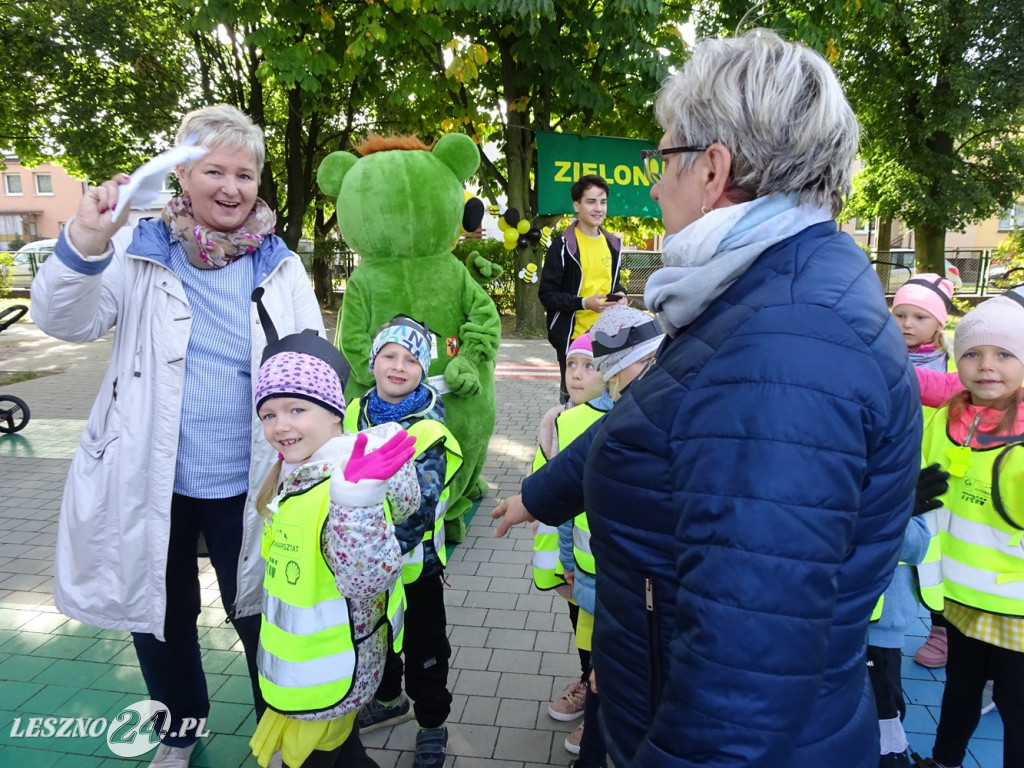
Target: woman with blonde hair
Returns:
[[172, 450]]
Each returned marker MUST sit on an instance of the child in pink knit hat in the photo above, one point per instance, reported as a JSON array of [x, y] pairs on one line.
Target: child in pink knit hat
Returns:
[[920, 307]]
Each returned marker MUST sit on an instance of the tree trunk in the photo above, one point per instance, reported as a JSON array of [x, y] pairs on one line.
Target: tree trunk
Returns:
[[295, 206], [519, 154], [930, 248], [320, 266]]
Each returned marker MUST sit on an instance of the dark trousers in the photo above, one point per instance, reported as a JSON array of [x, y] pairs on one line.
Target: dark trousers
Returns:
[[173, 669], [563, 391], [592, 748], [938, 620], [971, 663], [426, 652], [574, 616], [349, 755], [887, 684]]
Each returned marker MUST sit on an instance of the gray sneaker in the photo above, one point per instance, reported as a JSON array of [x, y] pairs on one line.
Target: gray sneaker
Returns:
[[375, 715], [431, 748]]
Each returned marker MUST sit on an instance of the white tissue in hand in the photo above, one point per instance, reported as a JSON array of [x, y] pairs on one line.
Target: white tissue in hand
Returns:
[[147, 182]]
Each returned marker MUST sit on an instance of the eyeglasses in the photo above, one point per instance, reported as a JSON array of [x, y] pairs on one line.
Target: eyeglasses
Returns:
[[654, 160]]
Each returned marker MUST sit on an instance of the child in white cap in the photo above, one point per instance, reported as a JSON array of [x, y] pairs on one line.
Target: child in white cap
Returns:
[[624, 342], [976, 437]]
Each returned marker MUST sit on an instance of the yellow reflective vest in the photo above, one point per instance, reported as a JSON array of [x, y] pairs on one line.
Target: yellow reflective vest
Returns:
[[982, 558], [307, 653], [547, 569], [428, 433]]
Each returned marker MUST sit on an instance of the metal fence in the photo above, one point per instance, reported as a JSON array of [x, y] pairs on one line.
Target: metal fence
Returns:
[[971, 270]]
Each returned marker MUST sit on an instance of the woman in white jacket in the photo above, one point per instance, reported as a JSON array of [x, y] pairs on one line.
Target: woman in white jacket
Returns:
[[171, 449]]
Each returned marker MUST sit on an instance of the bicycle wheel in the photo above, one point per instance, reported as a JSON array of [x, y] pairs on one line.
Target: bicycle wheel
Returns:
[[14, 414]]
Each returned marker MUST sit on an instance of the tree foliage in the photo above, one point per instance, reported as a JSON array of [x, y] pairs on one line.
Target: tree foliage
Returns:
[[938, 86]]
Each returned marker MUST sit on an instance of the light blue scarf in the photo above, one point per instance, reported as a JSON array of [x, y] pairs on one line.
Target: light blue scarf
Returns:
[[710, 254]]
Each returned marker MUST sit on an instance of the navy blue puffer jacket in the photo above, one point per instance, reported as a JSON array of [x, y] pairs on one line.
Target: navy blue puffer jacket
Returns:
[[747, 498]]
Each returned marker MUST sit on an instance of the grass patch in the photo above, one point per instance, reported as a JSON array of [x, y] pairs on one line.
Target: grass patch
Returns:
[[14, 377]]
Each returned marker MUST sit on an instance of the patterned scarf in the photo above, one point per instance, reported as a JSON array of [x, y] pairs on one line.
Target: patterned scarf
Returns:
[[381, 411], [207, 249]]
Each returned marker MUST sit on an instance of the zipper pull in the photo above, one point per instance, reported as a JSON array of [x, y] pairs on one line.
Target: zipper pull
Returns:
[[649, 593], [971, 429]]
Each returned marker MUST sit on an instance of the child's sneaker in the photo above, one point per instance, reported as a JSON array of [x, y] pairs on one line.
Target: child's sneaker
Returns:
[[431, 748], [987, 705], [933, 653], [572, 741], [570, 705], [172, 757], [375, 715]]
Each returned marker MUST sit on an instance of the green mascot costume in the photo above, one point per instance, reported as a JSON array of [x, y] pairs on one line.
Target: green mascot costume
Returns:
[[400, 207]]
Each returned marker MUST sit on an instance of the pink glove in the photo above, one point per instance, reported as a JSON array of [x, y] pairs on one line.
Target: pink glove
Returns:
[[381, 463]]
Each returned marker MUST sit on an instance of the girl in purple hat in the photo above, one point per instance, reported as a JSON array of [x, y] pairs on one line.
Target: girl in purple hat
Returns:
[[332, 582]]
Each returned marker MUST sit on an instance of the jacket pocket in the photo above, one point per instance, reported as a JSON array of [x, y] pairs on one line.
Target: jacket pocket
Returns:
[[104, 425], [653, 645]]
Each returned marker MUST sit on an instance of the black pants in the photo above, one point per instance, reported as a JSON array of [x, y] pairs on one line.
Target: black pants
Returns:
[[349, 755], [426, 652], [971, 663], [563, 391], [887, 684], [173, 668], [574, 616]]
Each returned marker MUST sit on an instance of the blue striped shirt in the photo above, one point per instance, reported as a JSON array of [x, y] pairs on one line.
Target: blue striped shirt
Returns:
[[215, 437]]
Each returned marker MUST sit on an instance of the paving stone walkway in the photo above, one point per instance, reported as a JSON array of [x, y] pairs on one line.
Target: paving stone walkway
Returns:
[[512, 648]]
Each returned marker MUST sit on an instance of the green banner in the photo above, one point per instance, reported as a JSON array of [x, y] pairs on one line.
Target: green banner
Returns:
[[563, 157]]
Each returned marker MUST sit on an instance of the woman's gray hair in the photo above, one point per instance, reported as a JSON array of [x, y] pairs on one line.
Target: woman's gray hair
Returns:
[[222, 125], [776, 105]]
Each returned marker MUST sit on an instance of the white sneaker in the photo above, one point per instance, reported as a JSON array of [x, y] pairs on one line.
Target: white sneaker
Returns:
[[987, 705], [172, 757]]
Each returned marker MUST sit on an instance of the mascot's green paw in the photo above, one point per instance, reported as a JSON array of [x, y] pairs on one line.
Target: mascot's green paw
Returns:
[[478, 488], [482, 270], [455, 530], [462, 377]]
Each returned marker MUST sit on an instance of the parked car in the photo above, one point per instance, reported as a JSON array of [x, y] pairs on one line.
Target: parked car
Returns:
[[27, 260]]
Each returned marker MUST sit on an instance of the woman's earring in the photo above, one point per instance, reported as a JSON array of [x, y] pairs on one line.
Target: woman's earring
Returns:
[[704, 211]]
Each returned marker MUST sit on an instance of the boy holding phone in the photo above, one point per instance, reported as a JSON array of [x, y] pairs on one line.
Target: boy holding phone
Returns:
[[580, 278]]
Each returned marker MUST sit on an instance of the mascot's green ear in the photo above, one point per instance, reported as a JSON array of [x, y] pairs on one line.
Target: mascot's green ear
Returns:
[[458, 152], [333, 169]]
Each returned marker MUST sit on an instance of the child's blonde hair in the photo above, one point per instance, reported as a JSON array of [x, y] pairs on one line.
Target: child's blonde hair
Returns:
[[269, 488]]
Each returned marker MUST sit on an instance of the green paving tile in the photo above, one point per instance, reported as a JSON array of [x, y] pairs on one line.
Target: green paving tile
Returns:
[[24, 668], [121, 678], [70, 672], [114, 634], [237, 690], [224, 751], [226, 717], [219, 639], [218, 661], [79, 761], [44, 622], [77, 628], [15, 619], [22, 757], [7, 634], [214, 683], [50, 701], [26, 642], [126, 656], [104, 650], [96, 704], [238, 667], [64, 646], [18, 692]]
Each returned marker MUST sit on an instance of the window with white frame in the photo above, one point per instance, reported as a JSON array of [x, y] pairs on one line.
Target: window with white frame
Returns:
[[1012, 219], [12, 183], [44, 183], [863, 226]]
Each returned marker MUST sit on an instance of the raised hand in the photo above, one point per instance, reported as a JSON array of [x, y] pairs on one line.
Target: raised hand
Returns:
[[381, 463], [96, 222]]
